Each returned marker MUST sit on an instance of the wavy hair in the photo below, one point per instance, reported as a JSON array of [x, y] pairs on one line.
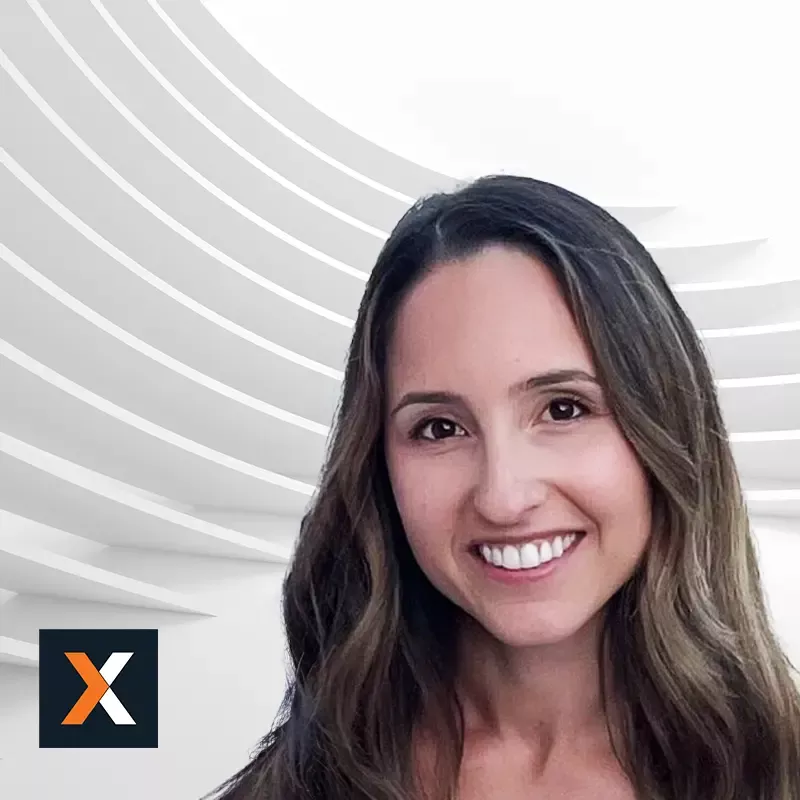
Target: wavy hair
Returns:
[[709, 707]]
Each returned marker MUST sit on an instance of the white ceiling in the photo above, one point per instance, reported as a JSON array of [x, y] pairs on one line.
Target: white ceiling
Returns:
[[184, 239], [606, 97]]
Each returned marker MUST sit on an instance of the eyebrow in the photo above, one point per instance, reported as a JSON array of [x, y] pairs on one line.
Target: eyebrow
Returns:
[[550, 378]]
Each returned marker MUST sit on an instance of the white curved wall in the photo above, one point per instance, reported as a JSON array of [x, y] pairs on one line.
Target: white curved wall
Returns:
[[183, 244]]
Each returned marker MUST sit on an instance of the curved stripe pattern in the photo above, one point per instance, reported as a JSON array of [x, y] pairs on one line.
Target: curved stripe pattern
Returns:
[[137, 269], [170, 377], [15, 262], [268, 118], [136, 123], [223, 137], [87, 151]]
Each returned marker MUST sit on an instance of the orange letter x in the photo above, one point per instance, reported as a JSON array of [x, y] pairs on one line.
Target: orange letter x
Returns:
[[96, 687]]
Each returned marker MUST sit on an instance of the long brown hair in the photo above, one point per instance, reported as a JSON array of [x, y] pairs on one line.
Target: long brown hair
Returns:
[[709, 707]]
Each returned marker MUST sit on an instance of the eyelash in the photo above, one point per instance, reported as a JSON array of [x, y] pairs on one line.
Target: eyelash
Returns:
[[416, 432]]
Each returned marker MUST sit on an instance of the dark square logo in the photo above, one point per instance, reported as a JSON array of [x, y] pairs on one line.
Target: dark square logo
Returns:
[[98, 688]]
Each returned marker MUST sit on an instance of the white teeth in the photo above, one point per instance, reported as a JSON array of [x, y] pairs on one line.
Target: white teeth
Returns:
[[511, 559], [529, 555], [545, 552]]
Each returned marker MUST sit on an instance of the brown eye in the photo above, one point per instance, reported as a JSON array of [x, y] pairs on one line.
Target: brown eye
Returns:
[[439, 428], [562, 407]]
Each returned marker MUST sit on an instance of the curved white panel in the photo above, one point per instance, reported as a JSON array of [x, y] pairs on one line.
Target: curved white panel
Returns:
[[255, 162], [768, 460], [756, 355], [34, 570], [209, 43], [273, 290], [18, 652], [63, 300], [106, 279], [773, 406], [115, 366], [726, 306], [92, 505], [195, 211], [61, 88], [144, 454]]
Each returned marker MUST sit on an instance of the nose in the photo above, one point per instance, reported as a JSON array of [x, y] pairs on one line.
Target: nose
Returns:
[[512, 480]]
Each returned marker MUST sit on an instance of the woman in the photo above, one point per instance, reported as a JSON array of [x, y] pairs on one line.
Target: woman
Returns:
[[528, 570]]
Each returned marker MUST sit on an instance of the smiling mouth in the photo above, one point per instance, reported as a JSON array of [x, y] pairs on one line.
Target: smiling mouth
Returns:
[[528, 556]]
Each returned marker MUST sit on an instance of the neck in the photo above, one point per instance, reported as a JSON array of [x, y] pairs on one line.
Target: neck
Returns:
[[544, 696]]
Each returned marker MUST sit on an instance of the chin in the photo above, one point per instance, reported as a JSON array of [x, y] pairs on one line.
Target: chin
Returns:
[[522, 629], [530, 637]]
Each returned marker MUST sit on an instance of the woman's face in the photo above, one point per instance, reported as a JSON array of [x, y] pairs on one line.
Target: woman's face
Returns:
[[522, 500]]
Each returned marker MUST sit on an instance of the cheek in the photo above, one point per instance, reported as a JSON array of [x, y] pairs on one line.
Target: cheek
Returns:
[[421, 501], [428, 497], [615, 492]]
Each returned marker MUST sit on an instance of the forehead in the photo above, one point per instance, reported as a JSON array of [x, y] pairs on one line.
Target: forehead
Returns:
[[493, 316]]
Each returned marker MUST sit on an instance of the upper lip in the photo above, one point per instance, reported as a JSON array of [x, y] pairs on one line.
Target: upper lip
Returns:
[[527, 537]]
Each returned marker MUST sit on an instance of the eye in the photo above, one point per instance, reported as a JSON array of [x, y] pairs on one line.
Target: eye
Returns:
[[562, 406], [437, 425]]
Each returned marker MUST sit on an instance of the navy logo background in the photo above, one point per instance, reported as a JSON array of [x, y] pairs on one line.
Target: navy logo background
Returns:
[[60, 687]]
